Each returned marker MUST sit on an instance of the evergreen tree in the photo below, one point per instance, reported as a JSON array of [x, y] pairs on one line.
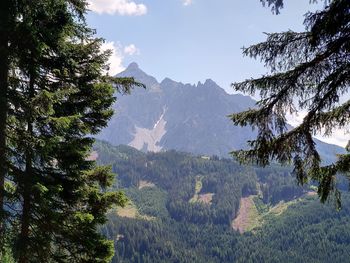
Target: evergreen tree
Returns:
[[6, 27], [56, 95], [310, 71]]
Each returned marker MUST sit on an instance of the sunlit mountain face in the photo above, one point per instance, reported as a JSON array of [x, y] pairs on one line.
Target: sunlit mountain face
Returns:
[[190, 118]]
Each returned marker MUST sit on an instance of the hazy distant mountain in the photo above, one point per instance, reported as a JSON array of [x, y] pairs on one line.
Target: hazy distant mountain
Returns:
[[190, 118]]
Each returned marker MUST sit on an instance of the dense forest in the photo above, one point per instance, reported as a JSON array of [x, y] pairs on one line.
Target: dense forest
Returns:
[[182, 208]]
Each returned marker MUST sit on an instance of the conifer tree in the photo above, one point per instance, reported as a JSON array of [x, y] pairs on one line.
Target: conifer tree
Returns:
[[6, 27], [310, 71], [57, 95]]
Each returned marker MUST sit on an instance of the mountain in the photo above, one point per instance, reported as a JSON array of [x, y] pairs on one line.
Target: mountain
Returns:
[[184, 117]]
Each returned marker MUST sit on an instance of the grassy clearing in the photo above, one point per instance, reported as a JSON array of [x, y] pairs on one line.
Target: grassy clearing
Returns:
[[253, 216], [144, 184], [267, 212], [199, 184], [197, 189], [253, 213], [247, 215], [206, 198], [281, 207], [131, 211]]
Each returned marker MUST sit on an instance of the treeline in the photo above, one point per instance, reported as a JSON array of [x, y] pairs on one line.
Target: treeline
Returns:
[[177, 174], [179, 229], [276, 184], [307, 232]]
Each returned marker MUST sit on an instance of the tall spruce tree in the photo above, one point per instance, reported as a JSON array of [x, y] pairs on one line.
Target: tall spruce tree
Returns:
[[6, 27], [310, 71], [57, 95]]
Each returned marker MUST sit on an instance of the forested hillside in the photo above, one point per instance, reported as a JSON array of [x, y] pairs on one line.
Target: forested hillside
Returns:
[[186, 208]]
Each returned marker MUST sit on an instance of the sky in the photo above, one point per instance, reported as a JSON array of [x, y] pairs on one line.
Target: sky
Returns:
[[194, 40]]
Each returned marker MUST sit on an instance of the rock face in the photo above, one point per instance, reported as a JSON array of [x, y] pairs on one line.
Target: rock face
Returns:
[[184, 117], [149, 139]]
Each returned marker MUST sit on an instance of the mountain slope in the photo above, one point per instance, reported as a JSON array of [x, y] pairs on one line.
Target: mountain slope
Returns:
[[190, 118], [181, 208]]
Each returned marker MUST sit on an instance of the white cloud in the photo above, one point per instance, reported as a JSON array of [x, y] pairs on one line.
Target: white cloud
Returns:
[[338, 137], [116, 59], [187, 2], [121, 7], [131, 50], [117, 55], [296, 119]]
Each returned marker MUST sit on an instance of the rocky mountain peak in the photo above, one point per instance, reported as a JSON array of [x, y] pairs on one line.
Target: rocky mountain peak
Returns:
[[132, 66], [185, 117], [133, 70]]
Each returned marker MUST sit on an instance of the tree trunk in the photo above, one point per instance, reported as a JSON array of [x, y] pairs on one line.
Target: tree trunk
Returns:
[[3, 120], [23, 252], [27, 184], [25, 220], [4, 71]]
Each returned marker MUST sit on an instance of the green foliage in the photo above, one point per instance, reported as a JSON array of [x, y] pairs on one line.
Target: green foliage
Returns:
[[260, 205], [178, 175], [8, 257], [277, 5], [307, 232], [290, 226], [55, 94], [151, 201], [310, 72]]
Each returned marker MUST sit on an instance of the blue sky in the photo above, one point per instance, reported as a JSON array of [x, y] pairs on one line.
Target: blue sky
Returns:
[[193, 40]]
